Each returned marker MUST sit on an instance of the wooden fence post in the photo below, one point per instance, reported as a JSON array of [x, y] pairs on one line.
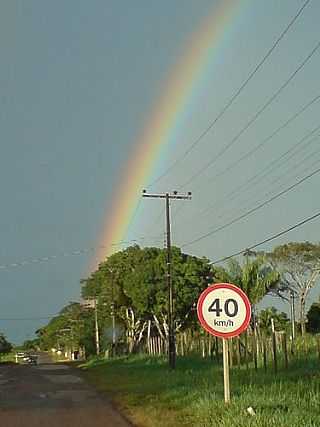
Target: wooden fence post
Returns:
[[264, 350], [185, 342], [274, 347], [254, 349], [148, 336], [217, 348], [203, 348], [182, 344], [210, 346], [230, 352], [238, 352], [246, 349], [285, 350]]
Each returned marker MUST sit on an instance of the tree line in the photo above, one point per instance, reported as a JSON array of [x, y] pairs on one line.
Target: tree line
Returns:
[[130, 294]]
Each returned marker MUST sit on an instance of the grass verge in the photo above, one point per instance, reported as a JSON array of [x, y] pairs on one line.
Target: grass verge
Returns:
[[8, 358], [153, 396]]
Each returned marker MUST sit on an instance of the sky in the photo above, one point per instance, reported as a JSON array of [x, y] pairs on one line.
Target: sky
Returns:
[[80, 83]]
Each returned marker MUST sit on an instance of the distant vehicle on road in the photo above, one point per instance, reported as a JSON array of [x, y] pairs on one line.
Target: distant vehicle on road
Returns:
[[31, 359], [20, 354], [26, 359]]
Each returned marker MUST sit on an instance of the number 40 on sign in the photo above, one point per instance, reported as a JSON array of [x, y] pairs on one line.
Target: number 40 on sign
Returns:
[[224, 310]]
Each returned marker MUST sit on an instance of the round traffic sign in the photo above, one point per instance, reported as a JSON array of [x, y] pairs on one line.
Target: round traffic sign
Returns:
[[224, 310]]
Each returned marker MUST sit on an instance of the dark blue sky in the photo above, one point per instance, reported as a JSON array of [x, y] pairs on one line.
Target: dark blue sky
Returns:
[[78, 80]]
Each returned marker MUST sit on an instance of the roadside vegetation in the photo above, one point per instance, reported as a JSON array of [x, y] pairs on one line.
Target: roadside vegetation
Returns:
[[153, 396], [6, 350], [128, 295], [123, 319]]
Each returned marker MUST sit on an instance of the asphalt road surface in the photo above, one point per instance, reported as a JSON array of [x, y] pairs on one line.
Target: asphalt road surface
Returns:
[[52, 395]]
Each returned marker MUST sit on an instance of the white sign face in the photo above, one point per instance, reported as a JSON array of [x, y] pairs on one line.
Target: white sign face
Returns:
[[224, 310]]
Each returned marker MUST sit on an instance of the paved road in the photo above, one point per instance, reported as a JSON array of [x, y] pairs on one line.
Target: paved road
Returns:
[[52, 395]]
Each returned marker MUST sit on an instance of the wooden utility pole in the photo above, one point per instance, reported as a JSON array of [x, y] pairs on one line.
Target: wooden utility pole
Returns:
[[292, 312], [274, 347], [112, 313], [96, 324], [92, 303], [167, 197]]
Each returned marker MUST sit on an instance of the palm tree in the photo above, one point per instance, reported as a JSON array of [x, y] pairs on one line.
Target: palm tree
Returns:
[[256, 278], [280, 319]]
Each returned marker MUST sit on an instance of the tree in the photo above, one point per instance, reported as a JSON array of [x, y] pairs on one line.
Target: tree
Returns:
[[299, 266], [5, 346], [313, 317], [71, 329], [280, 319], [133, 281], [256, 278], [31, 344]]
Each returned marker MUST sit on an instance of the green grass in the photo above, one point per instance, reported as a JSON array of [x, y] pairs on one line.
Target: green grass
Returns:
[[10, 357], [192, 395]]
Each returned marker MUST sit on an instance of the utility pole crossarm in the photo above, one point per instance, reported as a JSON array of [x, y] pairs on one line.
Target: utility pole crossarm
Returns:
[[173, 195]]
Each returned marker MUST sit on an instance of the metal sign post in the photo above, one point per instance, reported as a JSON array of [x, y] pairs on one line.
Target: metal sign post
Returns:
[[224, 311]]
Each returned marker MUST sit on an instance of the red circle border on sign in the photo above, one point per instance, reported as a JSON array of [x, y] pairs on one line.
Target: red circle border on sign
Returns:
[[207, 327]]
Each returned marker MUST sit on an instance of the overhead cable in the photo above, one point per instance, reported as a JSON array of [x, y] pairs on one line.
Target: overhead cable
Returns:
[[252, 181], [269, 239], [265, 140], [269, 193], [233, 98], [252, 120], [83, 251], [50, 316], [256, 208]]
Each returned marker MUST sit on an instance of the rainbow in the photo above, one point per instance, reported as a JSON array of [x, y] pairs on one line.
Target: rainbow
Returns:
[[178, 91]]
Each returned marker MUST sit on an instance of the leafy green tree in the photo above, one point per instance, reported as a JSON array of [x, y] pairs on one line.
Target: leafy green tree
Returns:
[[280, 319], [299, 266], [31, 344], [313, 316], [5, 345], [72, 328], [133, 281]]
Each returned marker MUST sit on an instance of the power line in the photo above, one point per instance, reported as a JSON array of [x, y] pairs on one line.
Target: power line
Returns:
[[176, 212], [265, 171], [305, 141], [157, 220], [278, 166], [233, 98], [274, 181], [269, 239], [255, 149], [261, 205], [50, 316], [270, 192], [134, 214], [265, 140], [252, 120], [68, 254], [296, 165], [293, 167]]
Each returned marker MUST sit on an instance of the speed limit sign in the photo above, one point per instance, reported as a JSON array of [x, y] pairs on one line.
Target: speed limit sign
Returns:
[[224, 310]]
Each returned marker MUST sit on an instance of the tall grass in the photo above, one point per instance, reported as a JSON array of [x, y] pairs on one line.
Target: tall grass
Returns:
[[192, 395]]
